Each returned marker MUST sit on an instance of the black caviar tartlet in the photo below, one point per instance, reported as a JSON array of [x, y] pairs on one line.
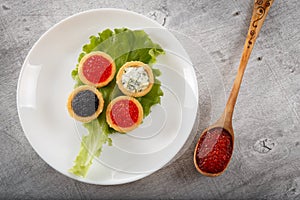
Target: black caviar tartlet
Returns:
[[85, 103]]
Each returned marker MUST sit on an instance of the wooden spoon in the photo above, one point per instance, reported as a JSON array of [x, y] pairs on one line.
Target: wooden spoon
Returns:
[[260, 11]]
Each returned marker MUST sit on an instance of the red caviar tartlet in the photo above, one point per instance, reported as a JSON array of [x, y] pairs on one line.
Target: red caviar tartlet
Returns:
[[97, 69], [124, 114]]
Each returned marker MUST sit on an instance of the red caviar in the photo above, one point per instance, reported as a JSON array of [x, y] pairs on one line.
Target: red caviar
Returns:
[[124, 113], [97, 69], [214, 150]]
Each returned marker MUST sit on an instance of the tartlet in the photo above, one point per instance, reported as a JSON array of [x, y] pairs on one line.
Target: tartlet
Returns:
[[85, 103], [135, 79], [97, 69], [124, 114]]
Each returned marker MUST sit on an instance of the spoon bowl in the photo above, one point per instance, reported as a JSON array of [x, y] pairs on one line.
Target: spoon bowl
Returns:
[[212, 174], [220, 124], [213, 151]]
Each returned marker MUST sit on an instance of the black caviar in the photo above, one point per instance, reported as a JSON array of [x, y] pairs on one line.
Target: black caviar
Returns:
[[85, 103]]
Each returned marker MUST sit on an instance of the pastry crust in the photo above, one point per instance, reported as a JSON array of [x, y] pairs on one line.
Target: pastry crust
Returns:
[[135, 64], [122, 129], [88, 118], [104, 55]]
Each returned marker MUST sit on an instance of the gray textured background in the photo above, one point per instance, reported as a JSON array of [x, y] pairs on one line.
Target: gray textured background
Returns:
[[266, 161]]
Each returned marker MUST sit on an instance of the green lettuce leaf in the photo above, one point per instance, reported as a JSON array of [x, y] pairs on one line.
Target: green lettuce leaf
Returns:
[[91, 146], [123, 45]]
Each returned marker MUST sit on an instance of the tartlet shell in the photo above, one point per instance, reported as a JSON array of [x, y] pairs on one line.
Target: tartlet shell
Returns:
[[83, 78], [127, 129], [98, 111], [135, 64]]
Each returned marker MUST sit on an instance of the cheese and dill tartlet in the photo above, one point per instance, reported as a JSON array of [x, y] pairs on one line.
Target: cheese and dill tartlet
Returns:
[[135, 79]]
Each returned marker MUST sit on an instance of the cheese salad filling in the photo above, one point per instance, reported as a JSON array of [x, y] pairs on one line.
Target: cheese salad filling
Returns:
[[135, 79]]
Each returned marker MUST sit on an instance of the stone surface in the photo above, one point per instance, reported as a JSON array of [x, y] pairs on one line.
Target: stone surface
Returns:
[[266, 157]]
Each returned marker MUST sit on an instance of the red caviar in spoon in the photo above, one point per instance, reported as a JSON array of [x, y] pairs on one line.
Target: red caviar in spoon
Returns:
[[214, 150]]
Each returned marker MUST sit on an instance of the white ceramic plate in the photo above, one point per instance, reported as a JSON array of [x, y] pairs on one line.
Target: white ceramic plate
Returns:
[[45, 83]]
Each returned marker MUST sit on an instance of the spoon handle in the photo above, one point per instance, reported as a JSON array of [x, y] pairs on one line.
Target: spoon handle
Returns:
[[260, 11]]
